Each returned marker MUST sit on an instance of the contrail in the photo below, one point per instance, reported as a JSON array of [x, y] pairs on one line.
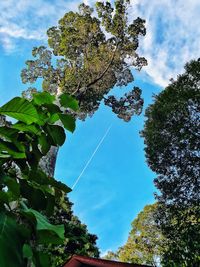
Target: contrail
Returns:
[[93, 154]]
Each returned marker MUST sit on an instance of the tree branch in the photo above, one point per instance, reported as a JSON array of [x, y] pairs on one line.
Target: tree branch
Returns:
[[101, 75]]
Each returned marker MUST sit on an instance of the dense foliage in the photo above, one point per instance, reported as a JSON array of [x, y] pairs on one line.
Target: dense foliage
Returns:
[[27, 194], [145, 241], [172, 139], [77, 239], [92, 54]]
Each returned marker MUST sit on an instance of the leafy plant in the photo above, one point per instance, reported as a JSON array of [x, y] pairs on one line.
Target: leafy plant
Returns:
[[28, 195]]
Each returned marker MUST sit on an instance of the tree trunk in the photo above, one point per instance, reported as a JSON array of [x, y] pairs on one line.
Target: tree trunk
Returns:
[[48, 163]]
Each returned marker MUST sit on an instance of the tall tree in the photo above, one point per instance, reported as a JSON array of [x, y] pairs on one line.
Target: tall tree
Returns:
[[91, 54], [172, 138], [144, 244]]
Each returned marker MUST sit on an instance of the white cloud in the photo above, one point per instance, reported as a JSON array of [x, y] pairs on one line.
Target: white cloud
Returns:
[[28, 19], [173, 36], [7, 44], [173, 32]]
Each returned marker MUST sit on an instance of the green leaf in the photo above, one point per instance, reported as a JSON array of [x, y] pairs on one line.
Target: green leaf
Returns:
[[60, 185], [8, 133], [4, 197], [54, 118], [11, 135], [20, 109], [41, 178], [32, 192], [68, 122], [13, 186], [44, 143], [27, 251], [7, 148], [52, 108], [41, 98], [47, 237], [11, 242], [44, 259], [43, 224], [68, 101], [26, 128], [57, 134]]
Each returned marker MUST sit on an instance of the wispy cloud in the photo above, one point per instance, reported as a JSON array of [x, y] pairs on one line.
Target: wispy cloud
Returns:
[[28, 19], [173, 35], [173, 32]]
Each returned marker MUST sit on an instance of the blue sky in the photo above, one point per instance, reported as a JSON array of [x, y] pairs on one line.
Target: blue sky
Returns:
[[117, 184]]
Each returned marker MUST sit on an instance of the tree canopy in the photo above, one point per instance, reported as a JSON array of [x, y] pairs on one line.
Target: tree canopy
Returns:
[[172, 140], [90, 54], [144, 244]]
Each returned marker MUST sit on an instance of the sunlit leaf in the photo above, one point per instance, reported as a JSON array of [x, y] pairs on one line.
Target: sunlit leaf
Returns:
[[20, 109], [68, 122], [68, 101], [43, 98]]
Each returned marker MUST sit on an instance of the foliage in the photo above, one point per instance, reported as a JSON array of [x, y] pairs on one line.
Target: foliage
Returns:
[[172, 139], [27, 194], [77, 239], [92, 54], [144, 244]]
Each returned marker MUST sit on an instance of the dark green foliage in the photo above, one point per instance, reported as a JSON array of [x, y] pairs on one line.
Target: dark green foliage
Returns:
[[11, 252], [77, 239], [27, 194], [172, 138], [91, 60]]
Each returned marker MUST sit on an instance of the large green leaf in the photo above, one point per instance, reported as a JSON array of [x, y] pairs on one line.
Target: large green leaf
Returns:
[[57, 134], [48, 237], [8, 133], [43, 224], [20, 109], [68, 122], [34, 194], [60, 185], [44, 143], [68, 101], [11, 242], [41, 98], [27, 251], [41, 178], [27, 128], [13, 186], [11, 135], [4, 197], [52, 108], [11, 149]]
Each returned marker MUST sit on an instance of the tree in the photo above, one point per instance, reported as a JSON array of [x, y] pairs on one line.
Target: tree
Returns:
[[91, 55], [144, 244], [172, 142]]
